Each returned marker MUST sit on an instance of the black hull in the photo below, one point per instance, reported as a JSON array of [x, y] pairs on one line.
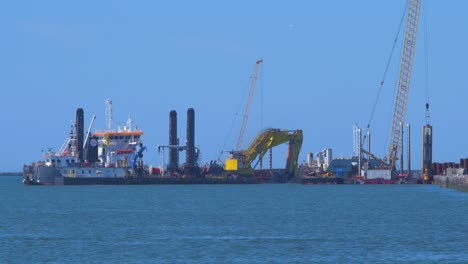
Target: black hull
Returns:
[[322, 181], [92, 181]]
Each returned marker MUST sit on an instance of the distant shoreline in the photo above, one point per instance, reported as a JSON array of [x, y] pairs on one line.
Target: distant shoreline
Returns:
[[10, 174]]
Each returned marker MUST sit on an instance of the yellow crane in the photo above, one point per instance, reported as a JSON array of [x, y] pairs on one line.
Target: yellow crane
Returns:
[[240, 162]]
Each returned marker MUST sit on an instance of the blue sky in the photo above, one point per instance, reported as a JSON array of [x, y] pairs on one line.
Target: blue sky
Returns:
[[323, 62]]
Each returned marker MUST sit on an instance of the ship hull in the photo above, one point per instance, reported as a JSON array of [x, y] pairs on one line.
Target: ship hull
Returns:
[[142, 181], [92, 181], [44, 175]]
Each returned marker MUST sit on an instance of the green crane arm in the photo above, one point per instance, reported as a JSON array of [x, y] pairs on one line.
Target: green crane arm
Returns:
[[295, 144], [271, 138]]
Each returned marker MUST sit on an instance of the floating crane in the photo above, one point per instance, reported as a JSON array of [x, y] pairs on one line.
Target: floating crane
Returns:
[[406, 66], [253, 84]]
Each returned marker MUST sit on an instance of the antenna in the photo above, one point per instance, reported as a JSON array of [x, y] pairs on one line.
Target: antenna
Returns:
[[109, 114], [129, 123]]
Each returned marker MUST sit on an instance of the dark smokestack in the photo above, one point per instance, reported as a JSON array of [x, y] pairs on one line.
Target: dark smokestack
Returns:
[[190, 152], [91, 150], [173, 153], [79, 132]]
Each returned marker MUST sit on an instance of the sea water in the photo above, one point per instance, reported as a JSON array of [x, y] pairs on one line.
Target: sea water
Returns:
[[265, 223]]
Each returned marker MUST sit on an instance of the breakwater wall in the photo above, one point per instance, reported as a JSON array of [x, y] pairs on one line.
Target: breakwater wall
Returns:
[[457, 182]]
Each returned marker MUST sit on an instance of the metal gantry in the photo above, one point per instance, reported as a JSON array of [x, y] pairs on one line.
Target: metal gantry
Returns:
[[245, 118], [406, 66]]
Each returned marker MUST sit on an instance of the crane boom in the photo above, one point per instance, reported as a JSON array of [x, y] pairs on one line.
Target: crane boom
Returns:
[[89, 131], [253, 83], [406, 65], [242, 161]]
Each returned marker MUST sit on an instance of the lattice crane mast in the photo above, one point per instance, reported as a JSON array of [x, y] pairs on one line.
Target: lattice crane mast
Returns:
[[253, 83], [406, 66]]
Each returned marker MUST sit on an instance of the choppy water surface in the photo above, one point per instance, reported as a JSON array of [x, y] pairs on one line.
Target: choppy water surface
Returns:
[[271, 223]]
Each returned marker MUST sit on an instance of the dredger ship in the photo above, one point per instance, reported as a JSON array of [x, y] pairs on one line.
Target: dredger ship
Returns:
[[105, 157]]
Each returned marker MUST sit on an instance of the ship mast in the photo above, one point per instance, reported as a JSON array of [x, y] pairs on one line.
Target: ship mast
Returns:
[[109, 114]]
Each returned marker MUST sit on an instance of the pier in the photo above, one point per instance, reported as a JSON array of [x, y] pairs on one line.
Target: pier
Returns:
[[457, 182]]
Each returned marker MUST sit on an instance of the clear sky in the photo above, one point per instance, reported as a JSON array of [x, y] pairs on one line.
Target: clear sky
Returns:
[[323, 62]]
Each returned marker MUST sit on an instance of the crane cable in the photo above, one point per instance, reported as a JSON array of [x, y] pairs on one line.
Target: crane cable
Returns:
[[231, 127], [260, 81], [426, 62], [228, 135], [389, 60]]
